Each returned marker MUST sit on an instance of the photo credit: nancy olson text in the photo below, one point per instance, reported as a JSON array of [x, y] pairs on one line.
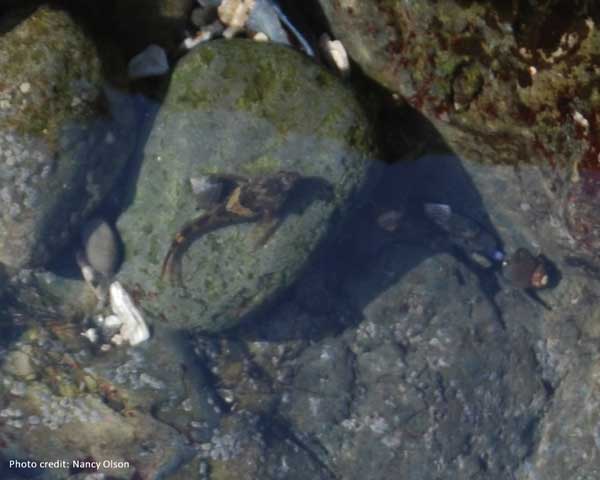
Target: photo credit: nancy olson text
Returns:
[[79, 464]]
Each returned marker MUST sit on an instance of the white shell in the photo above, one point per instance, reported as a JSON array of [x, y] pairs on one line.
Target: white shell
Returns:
[[335, 54], [91, 335], [134, 329], [234, 14], [112, 321]]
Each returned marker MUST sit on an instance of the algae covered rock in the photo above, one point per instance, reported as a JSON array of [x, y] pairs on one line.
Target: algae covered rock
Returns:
[[249, 109], [503, 82], [59, 152]]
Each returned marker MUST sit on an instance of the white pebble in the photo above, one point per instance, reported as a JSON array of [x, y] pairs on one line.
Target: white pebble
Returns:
[[25, 87], [91, 335]]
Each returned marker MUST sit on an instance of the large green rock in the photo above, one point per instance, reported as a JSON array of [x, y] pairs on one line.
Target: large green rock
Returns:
[[250, 109], [59, 152]]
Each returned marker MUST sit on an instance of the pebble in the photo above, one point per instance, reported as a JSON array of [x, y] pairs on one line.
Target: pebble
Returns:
[[150, 62], [19, 364], [335, 55], [101, 246]]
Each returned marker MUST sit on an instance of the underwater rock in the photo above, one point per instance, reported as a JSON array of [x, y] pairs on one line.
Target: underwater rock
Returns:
[[425, 359], [501, 83], [151, 62], [59, 150], [239, 108], [582, 211], [101, 246]]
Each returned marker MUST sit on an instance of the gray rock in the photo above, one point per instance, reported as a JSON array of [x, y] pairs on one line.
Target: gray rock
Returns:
[[150, 62], [101, 246], [59, 153], [239, 107], [423, 380]]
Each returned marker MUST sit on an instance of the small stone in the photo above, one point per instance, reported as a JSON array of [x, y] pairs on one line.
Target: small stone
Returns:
[[260, 37], [151, 62], [91, 334], [19, 364], [25, 87], [101, 246]]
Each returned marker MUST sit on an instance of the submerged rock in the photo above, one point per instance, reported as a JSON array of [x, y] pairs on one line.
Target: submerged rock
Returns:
[[239, 107], [59, 152], [101, 246], [502, 82], [151, 62]]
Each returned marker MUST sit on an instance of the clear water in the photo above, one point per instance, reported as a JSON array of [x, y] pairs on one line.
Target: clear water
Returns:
[[438, 331]]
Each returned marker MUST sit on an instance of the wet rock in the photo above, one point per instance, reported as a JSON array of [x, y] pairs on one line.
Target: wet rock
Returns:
[[59, 152], [254, 123], [128, 404], [101, 247], [525, 209], [501, 83], [19, 364], [151, 62], [421, 380]]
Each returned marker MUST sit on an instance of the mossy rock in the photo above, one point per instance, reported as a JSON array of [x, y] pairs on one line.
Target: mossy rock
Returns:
[[240, 107], [503, 82], [59, 152]]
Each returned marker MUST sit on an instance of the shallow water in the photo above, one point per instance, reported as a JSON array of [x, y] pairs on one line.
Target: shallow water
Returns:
[[420, 316]]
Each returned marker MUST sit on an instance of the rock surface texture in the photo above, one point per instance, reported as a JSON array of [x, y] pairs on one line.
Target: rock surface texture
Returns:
[[503, 82], [243, 108], [58, 154]]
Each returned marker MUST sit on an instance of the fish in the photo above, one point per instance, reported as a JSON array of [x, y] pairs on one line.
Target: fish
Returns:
[[525, 270], [465, 232]]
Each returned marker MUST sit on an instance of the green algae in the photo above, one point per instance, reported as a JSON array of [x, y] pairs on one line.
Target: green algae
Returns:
[[262, 165], [53, 83]]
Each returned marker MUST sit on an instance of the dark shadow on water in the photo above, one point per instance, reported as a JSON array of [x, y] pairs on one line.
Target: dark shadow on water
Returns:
[[363, 246]]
